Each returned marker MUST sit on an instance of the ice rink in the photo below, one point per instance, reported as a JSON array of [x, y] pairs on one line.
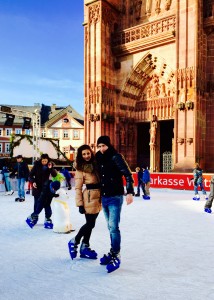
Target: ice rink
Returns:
[[167, 253]]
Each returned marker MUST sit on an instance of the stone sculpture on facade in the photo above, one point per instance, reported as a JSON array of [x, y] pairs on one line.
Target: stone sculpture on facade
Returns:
[[152, 132]]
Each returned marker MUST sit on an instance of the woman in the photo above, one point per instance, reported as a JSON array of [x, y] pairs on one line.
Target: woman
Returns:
[[88, 200]]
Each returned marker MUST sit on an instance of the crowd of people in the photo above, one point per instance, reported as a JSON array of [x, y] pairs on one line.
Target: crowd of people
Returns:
[[99, 186]]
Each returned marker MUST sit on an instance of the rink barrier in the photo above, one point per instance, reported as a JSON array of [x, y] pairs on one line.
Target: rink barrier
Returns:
[[176, 181]]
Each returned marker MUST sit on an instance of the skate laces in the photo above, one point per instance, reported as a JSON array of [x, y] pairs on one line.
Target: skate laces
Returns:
[[115, 259]]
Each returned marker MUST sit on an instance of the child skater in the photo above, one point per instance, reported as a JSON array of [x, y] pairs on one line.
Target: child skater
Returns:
[[88, 200]]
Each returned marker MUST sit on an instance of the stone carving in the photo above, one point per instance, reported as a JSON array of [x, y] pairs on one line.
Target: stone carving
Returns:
[[130, 135], [167, 4], [157, 6], [163, 90], [180, 140], [152, 132], [148, 30], [138, 5], [122, 136], [189, 141], [148, 7], [94, 13]]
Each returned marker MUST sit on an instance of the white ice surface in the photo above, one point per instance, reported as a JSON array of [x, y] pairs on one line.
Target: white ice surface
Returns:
[[167, 253]]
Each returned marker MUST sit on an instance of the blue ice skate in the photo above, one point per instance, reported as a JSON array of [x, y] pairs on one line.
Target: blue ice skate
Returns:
[[72, 246], [106, 259], [196, 198], [48, 224], [86, 252], [114, 264], [146, 197], [31, 221], [208, 210]]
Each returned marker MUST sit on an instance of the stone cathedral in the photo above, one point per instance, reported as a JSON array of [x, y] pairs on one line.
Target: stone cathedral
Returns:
[[149, 80]]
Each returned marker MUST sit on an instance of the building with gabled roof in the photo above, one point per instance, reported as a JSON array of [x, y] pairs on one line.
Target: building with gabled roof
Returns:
[[63, 126]]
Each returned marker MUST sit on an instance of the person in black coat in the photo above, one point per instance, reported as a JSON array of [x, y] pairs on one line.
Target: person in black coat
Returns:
[[112, 167], [44, 201], [21, 171], [39, 176]]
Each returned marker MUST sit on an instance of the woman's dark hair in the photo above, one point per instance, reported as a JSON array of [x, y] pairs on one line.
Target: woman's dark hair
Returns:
[[80, 160]]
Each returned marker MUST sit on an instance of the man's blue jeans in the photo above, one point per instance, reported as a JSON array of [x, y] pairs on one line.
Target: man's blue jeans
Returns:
[[7, 181], [112, 208], [21, 187], [201, 186]]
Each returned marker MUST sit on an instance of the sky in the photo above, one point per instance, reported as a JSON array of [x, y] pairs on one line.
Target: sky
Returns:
[[166, 252], [41, 52]]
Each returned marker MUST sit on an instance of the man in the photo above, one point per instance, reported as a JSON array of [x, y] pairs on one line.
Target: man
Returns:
[[21, 171], [112, 167]]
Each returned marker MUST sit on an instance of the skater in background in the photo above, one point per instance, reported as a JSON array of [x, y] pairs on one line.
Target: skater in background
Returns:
[[48, 192], [29, 187], [209, 202], [198, 182], [146, 182], [67, 176], [88, 199], [6, 179], [112, 168], [39, 176], [22, 172], [139, 181]]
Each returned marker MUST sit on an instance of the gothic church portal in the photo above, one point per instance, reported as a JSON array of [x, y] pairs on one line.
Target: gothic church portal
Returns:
[[149, 68]]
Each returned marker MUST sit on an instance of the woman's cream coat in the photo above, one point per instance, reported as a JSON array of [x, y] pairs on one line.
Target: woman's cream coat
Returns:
[[90, 199]]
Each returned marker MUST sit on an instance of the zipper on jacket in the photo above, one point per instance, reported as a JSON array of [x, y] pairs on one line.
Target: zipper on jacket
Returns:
[[89, 195]]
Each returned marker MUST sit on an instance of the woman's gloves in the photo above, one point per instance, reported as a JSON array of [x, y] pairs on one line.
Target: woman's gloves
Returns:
[[81, 209]]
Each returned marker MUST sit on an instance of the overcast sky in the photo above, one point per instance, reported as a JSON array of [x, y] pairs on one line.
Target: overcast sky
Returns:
[[41, 52]]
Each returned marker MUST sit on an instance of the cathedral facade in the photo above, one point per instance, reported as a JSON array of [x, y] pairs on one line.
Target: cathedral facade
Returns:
[[148, 80]]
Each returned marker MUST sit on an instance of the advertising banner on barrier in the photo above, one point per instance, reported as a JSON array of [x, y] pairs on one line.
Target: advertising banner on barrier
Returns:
[[177, 181]]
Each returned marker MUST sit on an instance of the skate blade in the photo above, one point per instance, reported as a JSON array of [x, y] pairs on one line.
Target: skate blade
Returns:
[[48, 226], [110, 270], [30, 224], [88, 257]]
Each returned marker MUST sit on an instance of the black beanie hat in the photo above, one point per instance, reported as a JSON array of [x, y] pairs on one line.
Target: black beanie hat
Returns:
[[104, 139]]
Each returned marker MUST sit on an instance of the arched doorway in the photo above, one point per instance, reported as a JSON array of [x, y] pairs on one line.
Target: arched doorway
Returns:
[[166, 139]]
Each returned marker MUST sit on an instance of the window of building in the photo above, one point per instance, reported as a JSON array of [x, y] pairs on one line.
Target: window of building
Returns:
[[43, 133], [18, 131], [50, 133], [65, 120], [7, 147], [28, 131], [76, 134], [8, 131], [1, 132], [65, 134], [0, 147], [55, 134]]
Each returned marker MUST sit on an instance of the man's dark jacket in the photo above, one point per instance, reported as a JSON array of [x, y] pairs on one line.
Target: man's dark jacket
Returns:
[[40, 175], [112, 167]]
